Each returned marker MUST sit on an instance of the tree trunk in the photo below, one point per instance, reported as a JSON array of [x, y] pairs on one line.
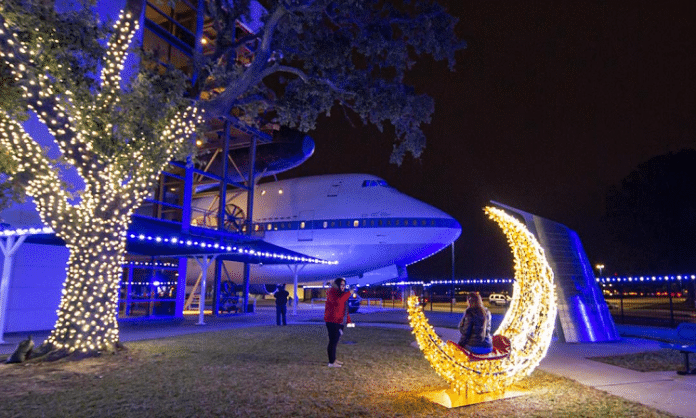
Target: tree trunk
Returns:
[[87, 313]]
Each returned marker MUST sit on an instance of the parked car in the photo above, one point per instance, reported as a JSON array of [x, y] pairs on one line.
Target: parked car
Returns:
[[612, 305], [498, 299]]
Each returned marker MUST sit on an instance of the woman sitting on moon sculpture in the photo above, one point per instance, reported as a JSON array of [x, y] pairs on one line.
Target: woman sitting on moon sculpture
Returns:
[[475, 326]]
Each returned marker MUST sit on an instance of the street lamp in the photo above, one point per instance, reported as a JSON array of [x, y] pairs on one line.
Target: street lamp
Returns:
[[600, 267]]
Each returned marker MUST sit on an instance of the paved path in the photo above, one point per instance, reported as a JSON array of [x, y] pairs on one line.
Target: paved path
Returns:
[[666, 391]]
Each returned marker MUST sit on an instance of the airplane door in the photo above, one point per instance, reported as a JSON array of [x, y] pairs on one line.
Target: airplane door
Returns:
[[334, 188], [305, 232]]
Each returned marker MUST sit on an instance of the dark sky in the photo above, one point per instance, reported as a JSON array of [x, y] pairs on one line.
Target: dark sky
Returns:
[[550, 105]]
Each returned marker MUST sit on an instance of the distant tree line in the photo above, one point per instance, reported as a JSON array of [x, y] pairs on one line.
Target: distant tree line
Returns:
[[651, 217]]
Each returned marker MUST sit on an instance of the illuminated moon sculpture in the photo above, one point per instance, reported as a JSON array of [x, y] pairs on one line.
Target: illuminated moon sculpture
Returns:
[[528, 324]]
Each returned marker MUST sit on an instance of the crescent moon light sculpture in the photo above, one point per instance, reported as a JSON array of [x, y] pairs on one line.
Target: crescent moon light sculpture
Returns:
[[528, 323]]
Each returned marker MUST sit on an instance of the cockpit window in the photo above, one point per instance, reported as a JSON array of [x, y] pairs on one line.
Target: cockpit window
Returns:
[[375, 183]]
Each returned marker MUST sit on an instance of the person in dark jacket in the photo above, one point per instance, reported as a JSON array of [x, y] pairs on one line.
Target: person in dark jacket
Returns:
[[336, 316], [475, 326], [281, 297]]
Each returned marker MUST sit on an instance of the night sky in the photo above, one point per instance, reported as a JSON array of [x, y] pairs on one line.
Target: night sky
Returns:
[[550, 105]]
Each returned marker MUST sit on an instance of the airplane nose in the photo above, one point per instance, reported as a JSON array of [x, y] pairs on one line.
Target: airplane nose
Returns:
[[455, 229], [450, 231], [448, 228]]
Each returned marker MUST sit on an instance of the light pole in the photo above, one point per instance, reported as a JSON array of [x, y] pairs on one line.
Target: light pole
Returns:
[[600, 267]]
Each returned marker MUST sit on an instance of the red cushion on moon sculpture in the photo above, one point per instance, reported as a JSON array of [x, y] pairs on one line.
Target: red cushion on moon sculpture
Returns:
[[501, 349]]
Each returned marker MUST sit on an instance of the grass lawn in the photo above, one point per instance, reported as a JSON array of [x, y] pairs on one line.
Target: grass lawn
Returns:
[[275, 372], [648, 361]]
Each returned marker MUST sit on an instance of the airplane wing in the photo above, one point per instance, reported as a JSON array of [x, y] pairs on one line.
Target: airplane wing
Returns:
[[148, 236], [153, 237]]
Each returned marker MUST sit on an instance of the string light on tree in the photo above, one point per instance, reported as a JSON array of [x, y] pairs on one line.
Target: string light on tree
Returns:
[[117, 150]]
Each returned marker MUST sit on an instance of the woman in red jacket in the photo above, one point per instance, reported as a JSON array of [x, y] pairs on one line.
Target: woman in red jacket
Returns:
[[336, 316]]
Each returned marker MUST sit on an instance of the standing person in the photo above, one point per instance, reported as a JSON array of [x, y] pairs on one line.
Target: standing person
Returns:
[[335, 316], [281, 297], [475, 326]]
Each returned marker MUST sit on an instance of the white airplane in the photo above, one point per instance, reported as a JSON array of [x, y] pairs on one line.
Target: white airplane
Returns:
[[369, 229]]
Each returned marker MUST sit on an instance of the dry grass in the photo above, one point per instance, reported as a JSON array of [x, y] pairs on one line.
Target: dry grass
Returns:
[[648, 361], [271, 371]]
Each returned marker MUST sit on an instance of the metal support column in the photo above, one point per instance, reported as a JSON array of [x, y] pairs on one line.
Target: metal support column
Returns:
[[295, 269], [129, 290], [250, 214], [204, 262], [200, 23], [9, 248], [222, 207], [222, 214], [188, 196], [181, 288], [453, 289]]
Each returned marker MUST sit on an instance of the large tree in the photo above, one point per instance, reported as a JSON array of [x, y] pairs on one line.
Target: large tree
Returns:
[[651, 216], [314, 55], [307, 58]]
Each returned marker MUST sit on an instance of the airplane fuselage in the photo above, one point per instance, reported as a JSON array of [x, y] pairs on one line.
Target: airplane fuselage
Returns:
[[355, 220]]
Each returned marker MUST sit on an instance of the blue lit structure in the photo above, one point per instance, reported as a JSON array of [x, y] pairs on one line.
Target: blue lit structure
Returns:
[[583, 315]]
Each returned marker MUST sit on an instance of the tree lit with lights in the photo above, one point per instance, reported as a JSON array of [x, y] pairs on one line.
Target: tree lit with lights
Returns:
[[118, 140]]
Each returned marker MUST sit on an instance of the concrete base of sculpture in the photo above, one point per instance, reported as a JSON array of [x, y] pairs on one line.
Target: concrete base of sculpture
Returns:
[[450, 398]]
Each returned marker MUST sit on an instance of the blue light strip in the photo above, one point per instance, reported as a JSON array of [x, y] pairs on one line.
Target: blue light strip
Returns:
[[139, 264], [215, 247], [450, 282], [25, 231], [645, 279]]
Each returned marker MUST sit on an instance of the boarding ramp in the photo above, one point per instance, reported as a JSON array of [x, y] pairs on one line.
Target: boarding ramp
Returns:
[[583, 315]]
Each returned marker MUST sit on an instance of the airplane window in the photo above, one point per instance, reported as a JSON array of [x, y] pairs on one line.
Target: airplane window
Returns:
[[333, 223], [256, 227], [415, 222], [269, 226], [326, 224], [372, 222], [388, 223], [356, 223], [380, 222], [302, 225], [364, 222], [366, 183], [383, 183], [424, 222], [397, 222]]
